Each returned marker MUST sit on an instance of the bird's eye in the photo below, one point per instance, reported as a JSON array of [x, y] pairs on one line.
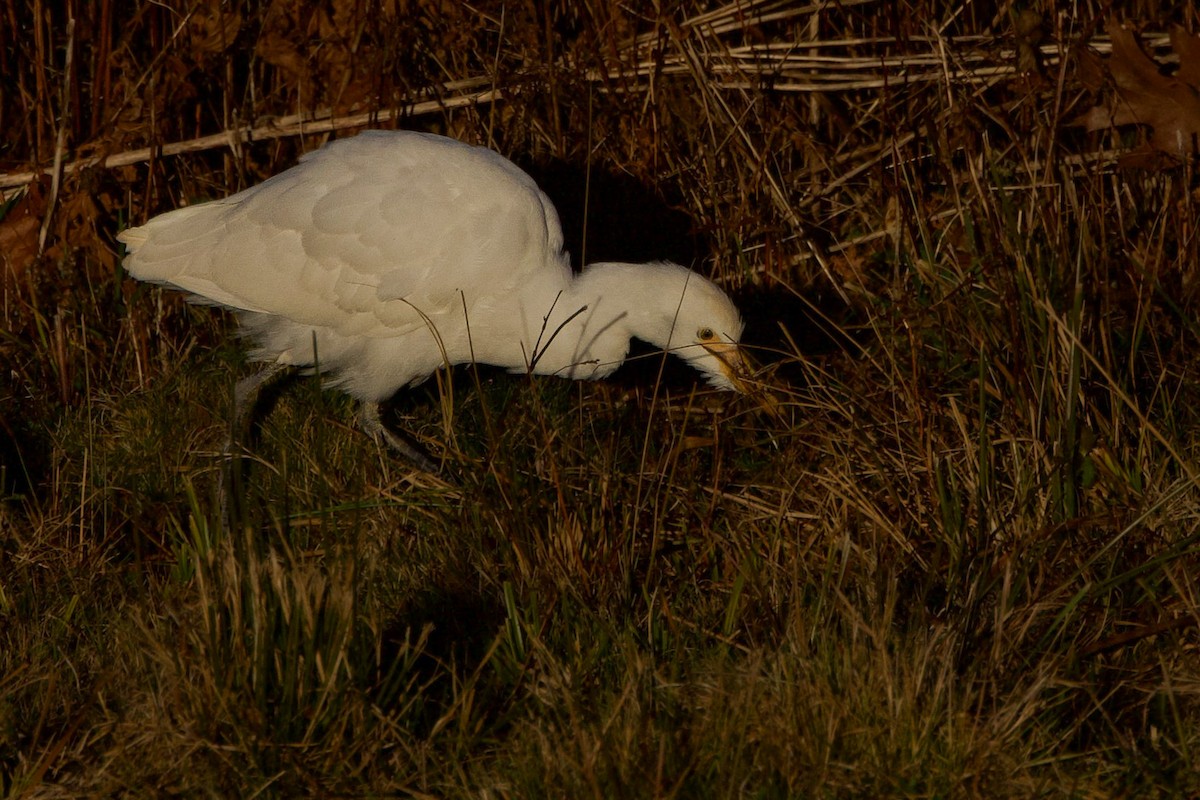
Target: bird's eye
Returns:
[[705, 334]]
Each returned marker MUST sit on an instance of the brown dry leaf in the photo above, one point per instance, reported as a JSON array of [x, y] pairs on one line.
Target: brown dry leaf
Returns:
[[1089, 68], [275, 48], [850, 268], [1169, 104], [696, 442], [213, 29], [1029, 30], [285, 32], [76, 216], [19, 235]]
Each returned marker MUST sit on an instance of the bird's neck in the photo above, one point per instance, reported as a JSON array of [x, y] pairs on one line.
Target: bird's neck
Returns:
[[643, 297], [582, 329]]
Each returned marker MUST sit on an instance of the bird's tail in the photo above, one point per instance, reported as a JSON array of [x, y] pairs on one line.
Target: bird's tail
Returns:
[[132, 238]]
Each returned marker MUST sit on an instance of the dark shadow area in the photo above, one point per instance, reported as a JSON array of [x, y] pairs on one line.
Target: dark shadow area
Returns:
[[20, 469], [625, 220], [781, 325], [463, 624], [25, 425]]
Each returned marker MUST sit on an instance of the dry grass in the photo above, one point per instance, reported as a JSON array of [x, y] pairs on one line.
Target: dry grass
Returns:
[[961, 560]]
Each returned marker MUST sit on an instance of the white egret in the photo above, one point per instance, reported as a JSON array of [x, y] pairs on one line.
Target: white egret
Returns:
[[383, 256]]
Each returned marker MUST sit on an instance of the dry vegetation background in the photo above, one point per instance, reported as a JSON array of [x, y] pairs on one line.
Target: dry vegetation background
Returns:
[[960, 560]]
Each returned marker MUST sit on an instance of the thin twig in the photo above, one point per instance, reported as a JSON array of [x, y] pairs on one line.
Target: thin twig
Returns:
[[61, 143], [292, 125]]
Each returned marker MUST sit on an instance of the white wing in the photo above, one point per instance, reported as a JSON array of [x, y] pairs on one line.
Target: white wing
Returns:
[[359, 234]]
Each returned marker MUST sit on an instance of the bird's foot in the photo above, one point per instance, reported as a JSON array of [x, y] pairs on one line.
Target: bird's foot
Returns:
[[373, 425]]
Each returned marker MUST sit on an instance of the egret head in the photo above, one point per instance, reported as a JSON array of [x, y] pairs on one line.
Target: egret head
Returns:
[[705, 331]]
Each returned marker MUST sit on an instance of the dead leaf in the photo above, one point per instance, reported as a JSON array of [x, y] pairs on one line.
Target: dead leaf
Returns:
[[1168, 104], [696, 442], [276, 49], [19, 234], [1029, 31], [213, 28], [1089, 68]]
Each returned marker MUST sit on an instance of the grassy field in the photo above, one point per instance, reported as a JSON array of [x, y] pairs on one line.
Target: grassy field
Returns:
[[960, 558]]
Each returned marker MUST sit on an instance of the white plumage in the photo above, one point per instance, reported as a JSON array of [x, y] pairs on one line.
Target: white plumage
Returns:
[[398, 252]]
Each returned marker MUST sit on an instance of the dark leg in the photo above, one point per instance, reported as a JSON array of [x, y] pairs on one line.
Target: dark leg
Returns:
[[373, 425], [245, 397]]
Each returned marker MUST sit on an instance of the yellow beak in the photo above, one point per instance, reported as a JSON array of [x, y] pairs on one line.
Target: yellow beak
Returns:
[[734, 364], [739, 369]]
